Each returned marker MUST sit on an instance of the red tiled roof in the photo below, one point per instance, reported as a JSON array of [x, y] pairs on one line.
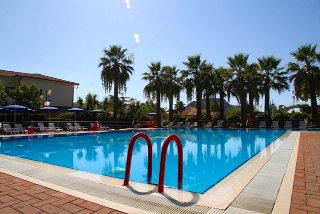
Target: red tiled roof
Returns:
[[34, 76]]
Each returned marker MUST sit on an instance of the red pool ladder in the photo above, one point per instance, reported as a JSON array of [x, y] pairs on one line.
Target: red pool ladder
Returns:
[[162, 161], [129, 156]]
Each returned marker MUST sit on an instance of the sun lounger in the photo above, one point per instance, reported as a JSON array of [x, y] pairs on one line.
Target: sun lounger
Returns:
[[208, 125], [170, 125], [262, 124], [187, 125], [194, 125], [52, 127], [42, 128], [302, 125], [70, 127], [79, 128], [178, 125], [275, 125], [219, 124], [7, 129], [18, 127], [288, 125]]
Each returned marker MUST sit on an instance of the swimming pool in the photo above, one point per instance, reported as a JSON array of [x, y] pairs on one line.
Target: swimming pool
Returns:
[[209, 155]]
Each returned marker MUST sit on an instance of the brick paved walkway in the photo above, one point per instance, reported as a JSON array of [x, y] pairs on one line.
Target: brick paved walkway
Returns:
[[306, 186], [20, 196]]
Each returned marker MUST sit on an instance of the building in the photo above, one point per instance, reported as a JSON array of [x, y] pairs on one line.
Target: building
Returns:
[[62, 90]]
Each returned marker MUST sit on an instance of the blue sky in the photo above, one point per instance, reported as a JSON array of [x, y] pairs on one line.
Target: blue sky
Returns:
[[65, 39]]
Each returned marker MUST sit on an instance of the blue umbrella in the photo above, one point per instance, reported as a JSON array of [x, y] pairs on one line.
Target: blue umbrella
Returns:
[[75, 110], [49, 109], [15, 108]]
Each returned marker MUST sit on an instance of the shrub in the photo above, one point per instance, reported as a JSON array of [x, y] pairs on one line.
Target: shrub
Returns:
[[233, 117], [280, 116], [260, 116], [299, 115]]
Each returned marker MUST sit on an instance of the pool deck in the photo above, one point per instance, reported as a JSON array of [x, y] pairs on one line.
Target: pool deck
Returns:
[[268, 187]]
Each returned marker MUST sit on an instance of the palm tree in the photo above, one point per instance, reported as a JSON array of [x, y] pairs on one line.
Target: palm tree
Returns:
[[192, 80], [273, 77], [237, 85], [209, 85], [254, 81], [80, 102], [172, 85], [153, 89], [222, 77], [116, 70], [306, 73]]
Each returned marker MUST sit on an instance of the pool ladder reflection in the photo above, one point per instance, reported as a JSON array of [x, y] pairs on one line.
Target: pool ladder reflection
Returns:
[[162, 161]]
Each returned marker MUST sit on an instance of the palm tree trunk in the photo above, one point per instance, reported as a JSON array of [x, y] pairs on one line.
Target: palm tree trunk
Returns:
[[171, 108], [199, 98], [313, 98], [115, 103], [221, 105], [208, 115], [243, 103], [159, 107], [267, 113], [251, 111]]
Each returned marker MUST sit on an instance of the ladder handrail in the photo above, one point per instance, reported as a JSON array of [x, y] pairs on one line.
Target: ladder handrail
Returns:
[[129, 156], [163, 161]]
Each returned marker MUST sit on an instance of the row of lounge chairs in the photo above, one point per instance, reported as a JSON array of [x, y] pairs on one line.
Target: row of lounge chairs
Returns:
[[287, 125], [195, 125], [18, 129]]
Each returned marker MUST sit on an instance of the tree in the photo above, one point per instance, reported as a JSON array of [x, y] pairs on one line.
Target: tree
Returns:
[[237, 85], [153, 89], [3, 95], [273, 77], [27, 95], [254, 81], [116, 70], [208, 77], [80, 102], [222, 77], [306, 74], [91, 101], [192, 80], [172, 86]]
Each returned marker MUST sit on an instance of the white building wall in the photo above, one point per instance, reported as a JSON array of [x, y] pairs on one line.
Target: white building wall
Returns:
[[62, 93]]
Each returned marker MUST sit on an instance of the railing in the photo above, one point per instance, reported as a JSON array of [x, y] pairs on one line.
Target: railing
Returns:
[[162, 161], [129, 157]]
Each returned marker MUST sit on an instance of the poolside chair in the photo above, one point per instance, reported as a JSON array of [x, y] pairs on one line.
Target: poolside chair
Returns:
[[262, 124], [302, 125], [170, 125], [42, 128], [52, 127], [275, 124], [194, 125], [7, 129], [187, 125], [219, 124], [288, 125], [208, 125], [102, 127], [70, 127], [18, 127], [178, 125], [79, 128]]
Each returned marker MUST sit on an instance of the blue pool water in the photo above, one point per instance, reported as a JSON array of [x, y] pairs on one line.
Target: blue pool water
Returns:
[[209, 155]]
